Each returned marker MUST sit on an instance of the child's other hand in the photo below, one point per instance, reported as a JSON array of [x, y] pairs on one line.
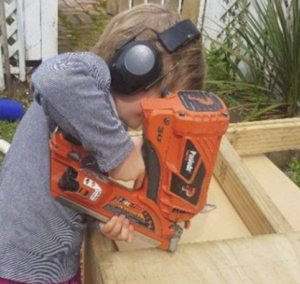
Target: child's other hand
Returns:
[[118, 229], [133, 167]]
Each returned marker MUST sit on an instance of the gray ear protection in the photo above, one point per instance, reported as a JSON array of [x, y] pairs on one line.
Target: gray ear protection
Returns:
[[136, 65]]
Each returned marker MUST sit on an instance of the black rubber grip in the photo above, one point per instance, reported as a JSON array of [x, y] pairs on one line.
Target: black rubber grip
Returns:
[[152, 169]]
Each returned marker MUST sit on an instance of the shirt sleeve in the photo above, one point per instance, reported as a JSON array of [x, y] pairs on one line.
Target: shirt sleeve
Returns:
[[74, 91]]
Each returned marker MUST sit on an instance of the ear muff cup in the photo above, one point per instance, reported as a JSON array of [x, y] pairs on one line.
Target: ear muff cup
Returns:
[[134, 66]]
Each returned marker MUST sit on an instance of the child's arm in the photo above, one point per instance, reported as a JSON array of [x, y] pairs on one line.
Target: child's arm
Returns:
[[133, 167], [74, 93]]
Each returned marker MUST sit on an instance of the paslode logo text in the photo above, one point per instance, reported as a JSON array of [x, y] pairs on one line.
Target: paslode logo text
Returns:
[[191, 161]]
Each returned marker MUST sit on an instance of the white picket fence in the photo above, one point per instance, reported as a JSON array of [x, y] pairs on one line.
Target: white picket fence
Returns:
[[31, 27]]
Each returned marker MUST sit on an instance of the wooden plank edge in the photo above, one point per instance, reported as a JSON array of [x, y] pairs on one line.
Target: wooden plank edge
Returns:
[[278, 186], [96, 249], [263, 137], [264, 123], [254, 206]]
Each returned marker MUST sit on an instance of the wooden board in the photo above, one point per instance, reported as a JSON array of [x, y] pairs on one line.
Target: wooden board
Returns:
[[249, 199], [265, 259], [138, 2], [222, 223], [154, 1], [124, 5], [252, 138], [112, 7], [91, 271], [190, 10], [172, 4], [282, 191]]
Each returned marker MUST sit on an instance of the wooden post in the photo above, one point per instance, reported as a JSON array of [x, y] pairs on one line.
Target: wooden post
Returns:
[[124, 5], [112, 7], [155, 1], [173, 4], [5, 48], [138, 2], [190, 10]]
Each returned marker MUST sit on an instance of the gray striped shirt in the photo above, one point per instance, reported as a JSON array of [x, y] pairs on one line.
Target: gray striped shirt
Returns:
[[40, 239]]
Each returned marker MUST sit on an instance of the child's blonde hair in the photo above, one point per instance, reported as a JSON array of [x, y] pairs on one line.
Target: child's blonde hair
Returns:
[[190, 72]]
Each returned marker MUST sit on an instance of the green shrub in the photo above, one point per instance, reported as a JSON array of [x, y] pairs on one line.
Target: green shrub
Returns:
[[293, 171], [268, 43]]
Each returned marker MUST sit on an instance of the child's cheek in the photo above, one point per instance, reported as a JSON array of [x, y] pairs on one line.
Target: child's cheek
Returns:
[[134, 121]]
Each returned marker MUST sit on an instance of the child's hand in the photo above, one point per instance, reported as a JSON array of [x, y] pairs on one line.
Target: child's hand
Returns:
[[118, 229], [133, 168]]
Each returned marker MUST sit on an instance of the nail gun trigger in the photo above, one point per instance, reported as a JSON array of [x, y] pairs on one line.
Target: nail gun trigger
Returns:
[[208, 208]]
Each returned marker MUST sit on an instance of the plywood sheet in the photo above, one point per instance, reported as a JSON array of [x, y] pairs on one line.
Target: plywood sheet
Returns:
[[222, 223]]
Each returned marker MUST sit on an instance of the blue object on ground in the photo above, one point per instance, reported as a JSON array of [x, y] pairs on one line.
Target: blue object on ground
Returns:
[[10, 110]]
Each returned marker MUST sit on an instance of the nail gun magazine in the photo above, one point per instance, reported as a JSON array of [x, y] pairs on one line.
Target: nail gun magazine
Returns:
[[182, 134]]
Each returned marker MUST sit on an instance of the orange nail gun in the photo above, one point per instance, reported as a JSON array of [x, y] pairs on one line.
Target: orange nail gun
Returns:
[[182, 134]]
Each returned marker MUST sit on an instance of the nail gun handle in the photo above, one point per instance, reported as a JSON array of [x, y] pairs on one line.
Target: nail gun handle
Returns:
[[152, 169]]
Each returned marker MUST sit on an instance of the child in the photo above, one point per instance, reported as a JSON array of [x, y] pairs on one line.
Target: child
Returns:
[[40, 239]]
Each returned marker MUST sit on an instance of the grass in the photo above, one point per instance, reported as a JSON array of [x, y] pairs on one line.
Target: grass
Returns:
[[83, 40], [7, 129], [75, 37], [293, 171]]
